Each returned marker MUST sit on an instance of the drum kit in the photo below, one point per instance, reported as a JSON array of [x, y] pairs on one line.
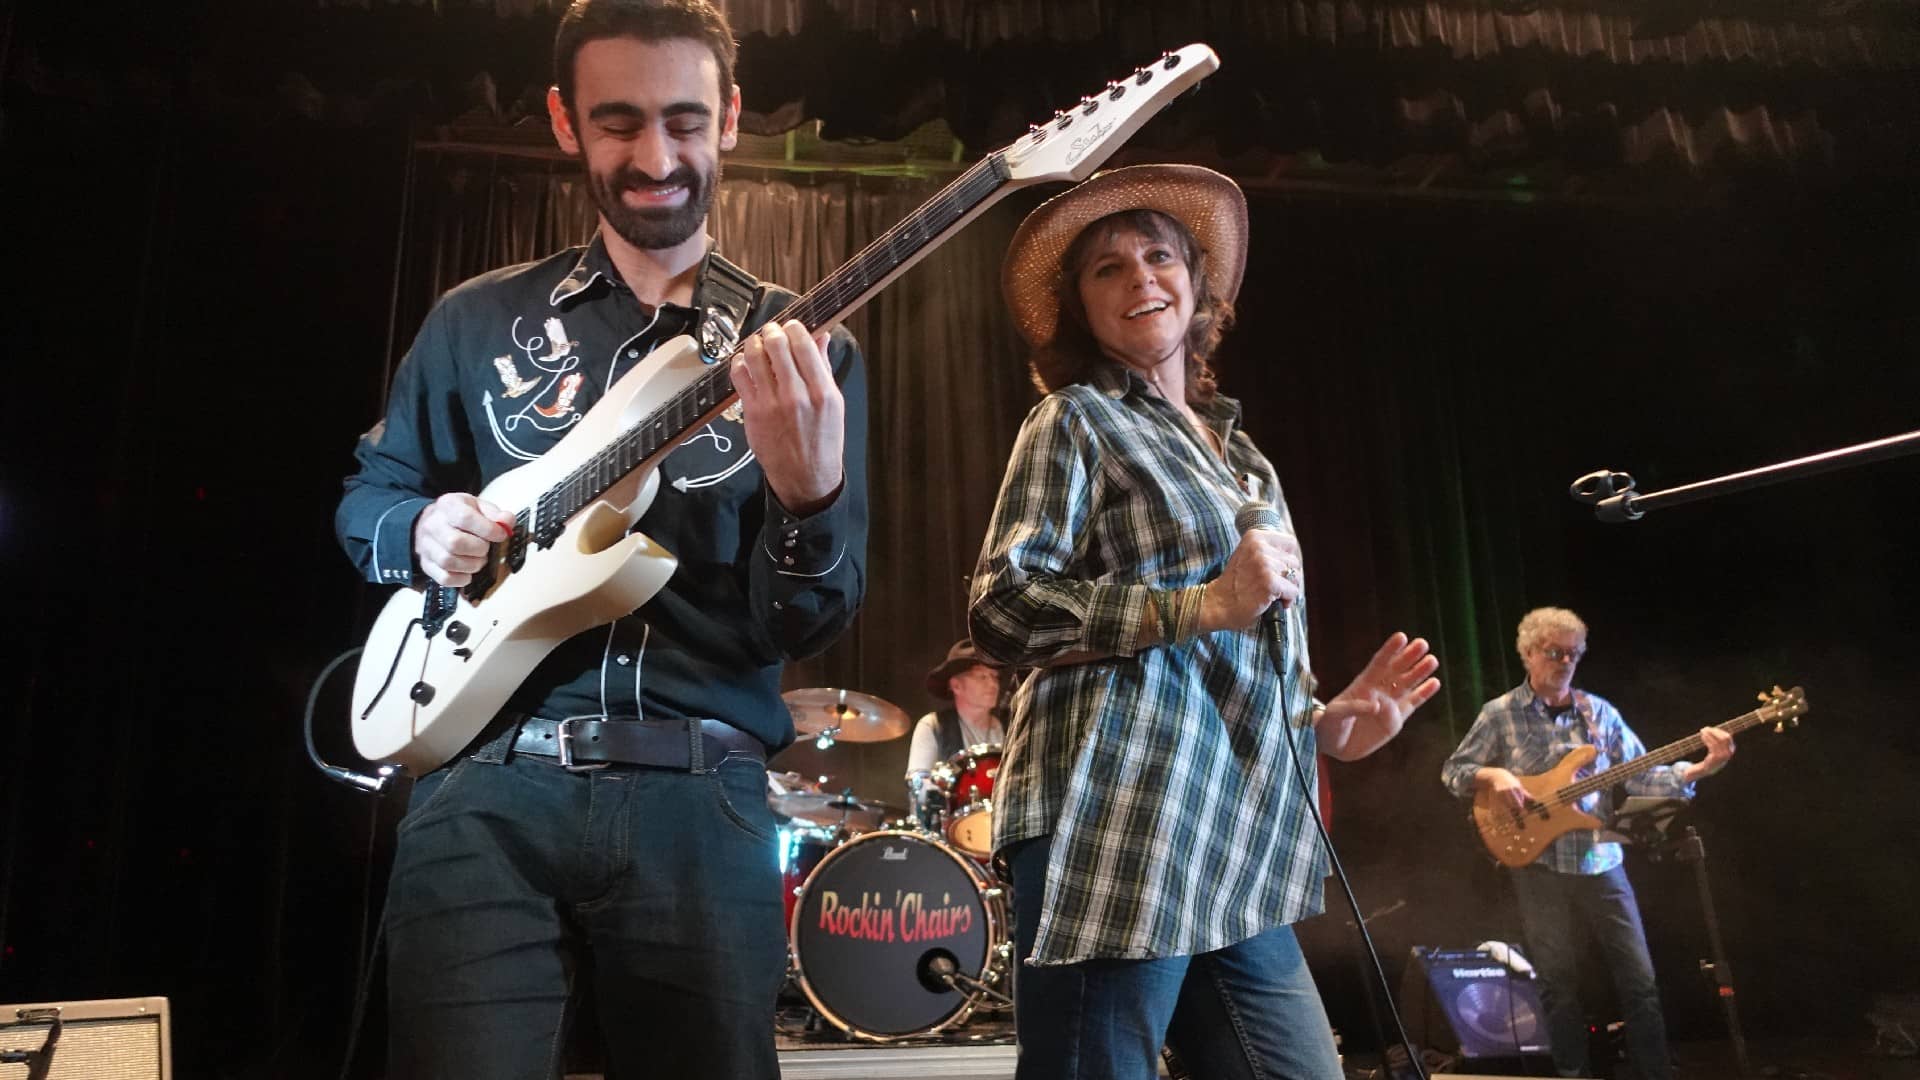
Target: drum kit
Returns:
[[895, 927]]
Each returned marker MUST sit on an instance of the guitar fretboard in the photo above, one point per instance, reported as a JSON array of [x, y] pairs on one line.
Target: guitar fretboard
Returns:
[[1666, 755], [835, 297]]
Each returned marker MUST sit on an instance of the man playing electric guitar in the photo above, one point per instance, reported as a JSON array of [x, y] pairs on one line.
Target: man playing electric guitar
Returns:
[[1577, 887], [611, 823]]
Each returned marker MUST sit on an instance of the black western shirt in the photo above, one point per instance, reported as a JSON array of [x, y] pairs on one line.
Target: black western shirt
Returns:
[[504, 366]]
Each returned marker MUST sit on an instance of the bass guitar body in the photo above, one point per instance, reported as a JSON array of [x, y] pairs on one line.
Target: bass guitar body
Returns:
[[1517, 835]]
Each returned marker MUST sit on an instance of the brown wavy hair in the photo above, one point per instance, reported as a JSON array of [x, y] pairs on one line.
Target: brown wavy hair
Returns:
[[1073, 352]]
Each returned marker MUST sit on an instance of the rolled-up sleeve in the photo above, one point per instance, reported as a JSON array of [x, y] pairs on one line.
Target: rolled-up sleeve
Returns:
[[1026, 609], [1484, 745], [1660, 781]]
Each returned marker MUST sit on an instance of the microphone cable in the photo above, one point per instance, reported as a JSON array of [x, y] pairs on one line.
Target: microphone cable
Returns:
[[1259, 515], [1308, 792]]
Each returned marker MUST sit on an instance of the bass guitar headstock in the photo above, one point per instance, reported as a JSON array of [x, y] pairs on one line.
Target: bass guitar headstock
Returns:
[[1783, 708]]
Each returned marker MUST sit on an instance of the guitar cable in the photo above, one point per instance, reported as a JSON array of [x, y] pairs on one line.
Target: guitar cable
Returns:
[[371, 785], [365, 956]]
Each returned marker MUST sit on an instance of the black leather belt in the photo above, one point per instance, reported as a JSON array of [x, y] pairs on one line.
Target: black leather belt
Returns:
[[696, 745]]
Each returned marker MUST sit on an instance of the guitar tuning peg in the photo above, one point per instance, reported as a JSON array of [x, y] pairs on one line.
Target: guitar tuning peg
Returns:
[[1142, 75]]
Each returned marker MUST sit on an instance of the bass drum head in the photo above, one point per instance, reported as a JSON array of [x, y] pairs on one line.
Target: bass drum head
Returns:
[[873, 914]]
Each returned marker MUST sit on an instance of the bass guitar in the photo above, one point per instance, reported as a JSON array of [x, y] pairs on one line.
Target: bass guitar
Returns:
[[1517, 835]]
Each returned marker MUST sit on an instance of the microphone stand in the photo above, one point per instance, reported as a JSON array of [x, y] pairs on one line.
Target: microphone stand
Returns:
[[1646, 825], [1613, 500]]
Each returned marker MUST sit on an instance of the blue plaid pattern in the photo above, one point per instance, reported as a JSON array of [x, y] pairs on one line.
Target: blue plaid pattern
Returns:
[[1163, 774]]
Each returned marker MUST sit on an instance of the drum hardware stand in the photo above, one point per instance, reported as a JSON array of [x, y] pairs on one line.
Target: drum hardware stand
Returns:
[[942, 969], [1646, 824]]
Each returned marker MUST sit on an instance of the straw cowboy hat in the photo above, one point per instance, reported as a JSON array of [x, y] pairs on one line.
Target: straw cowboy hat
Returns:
[[959, 658], [1210, 205]]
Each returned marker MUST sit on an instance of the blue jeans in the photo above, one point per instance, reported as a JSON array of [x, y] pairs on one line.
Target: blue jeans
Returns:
[[513, 881], [1246, 1011], [1558, 913]]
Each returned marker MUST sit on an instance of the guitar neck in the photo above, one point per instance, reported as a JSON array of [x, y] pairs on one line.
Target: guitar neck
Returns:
[[838, 295], [1665, 755]]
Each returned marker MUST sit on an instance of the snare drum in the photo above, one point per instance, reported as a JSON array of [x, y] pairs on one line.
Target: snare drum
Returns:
[[876, 915], [970, 799]]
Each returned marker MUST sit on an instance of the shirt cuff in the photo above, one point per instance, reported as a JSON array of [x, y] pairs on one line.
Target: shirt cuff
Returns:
[[393, 557], [805, 547], [1114, 616]]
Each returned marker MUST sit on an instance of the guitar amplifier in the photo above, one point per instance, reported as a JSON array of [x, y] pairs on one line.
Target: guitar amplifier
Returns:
[[114, 1039], [1464, 1000]]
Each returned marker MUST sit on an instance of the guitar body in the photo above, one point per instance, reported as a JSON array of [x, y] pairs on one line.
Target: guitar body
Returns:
[[417, 700], [1517, 837]]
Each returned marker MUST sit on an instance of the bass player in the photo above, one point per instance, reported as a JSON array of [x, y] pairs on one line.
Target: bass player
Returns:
[[1578, 886]]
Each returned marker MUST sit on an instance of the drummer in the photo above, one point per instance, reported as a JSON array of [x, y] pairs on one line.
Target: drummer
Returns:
[[970, 684]]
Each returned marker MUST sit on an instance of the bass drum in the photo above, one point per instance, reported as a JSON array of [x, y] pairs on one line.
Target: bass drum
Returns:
[[876, 919]]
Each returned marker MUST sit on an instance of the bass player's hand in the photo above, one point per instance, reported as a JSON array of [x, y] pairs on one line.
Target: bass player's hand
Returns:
[[1504, 784]]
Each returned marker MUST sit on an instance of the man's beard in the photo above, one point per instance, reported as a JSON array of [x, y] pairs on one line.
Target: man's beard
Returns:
[[652, 230]]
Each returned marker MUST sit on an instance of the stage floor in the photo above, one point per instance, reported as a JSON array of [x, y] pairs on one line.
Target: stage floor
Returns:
[[987, 1059]]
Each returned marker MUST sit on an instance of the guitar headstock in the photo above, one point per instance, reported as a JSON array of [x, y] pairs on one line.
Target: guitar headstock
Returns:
[[1783, 708], [1074, 142]]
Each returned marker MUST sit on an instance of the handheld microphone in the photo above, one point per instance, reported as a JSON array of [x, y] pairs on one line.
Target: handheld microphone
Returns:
[[1260, 516]]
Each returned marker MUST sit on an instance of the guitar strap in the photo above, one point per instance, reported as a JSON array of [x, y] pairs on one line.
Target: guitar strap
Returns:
[[728, 296]]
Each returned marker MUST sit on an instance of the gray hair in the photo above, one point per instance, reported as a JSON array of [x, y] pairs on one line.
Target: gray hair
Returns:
[[1537, 625]]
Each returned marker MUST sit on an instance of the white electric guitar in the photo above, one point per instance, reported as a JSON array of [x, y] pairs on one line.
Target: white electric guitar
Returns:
[[440, 662]]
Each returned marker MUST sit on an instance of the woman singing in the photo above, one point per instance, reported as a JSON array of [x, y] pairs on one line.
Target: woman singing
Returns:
[[1148, 809]]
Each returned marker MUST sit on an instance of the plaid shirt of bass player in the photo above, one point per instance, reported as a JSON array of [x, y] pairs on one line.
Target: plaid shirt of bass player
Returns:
[[1163, 774]]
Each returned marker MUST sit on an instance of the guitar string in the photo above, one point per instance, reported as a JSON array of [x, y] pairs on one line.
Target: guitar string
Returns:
[[831, 294], [1567, 796], [836, 292]]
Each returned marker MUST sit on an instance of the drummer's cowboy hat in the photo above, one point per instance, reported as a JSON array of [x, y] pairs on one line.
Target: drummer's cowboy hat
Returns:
[[1210, 205], [959, 658]]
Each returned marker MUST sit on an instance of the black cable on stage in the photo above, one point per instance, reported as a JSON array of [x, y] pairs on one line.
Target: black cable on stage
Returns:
[[1353, 902], [365, 955]]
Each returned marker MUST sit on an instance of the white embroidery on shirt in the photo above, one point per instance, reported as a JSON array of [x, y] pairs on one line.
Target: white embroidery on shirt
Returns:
[[549, 408]]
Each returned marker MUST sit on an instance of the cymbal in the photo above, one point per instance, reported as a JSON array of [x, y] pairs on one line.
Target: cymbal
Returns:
[[849, 714], [826, 808]]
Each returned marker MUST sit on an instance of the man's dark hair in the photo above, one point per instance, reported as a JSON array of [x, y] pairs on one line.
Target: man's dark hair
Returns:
[[648, 20]]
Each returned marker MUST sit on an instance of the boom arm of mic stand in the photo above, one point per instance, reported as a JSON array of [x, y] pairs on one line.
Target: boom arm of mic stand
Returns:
[[1612, 505]]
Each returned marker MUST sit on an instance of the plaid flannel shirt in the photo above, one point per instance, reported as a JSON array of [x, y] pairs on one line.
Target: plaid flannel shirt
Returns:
[[1163, 774]]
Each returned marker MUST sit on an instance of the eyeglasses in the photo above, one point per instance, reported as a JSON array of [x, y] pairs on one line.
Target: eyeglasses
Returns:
[[1557, 654]]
